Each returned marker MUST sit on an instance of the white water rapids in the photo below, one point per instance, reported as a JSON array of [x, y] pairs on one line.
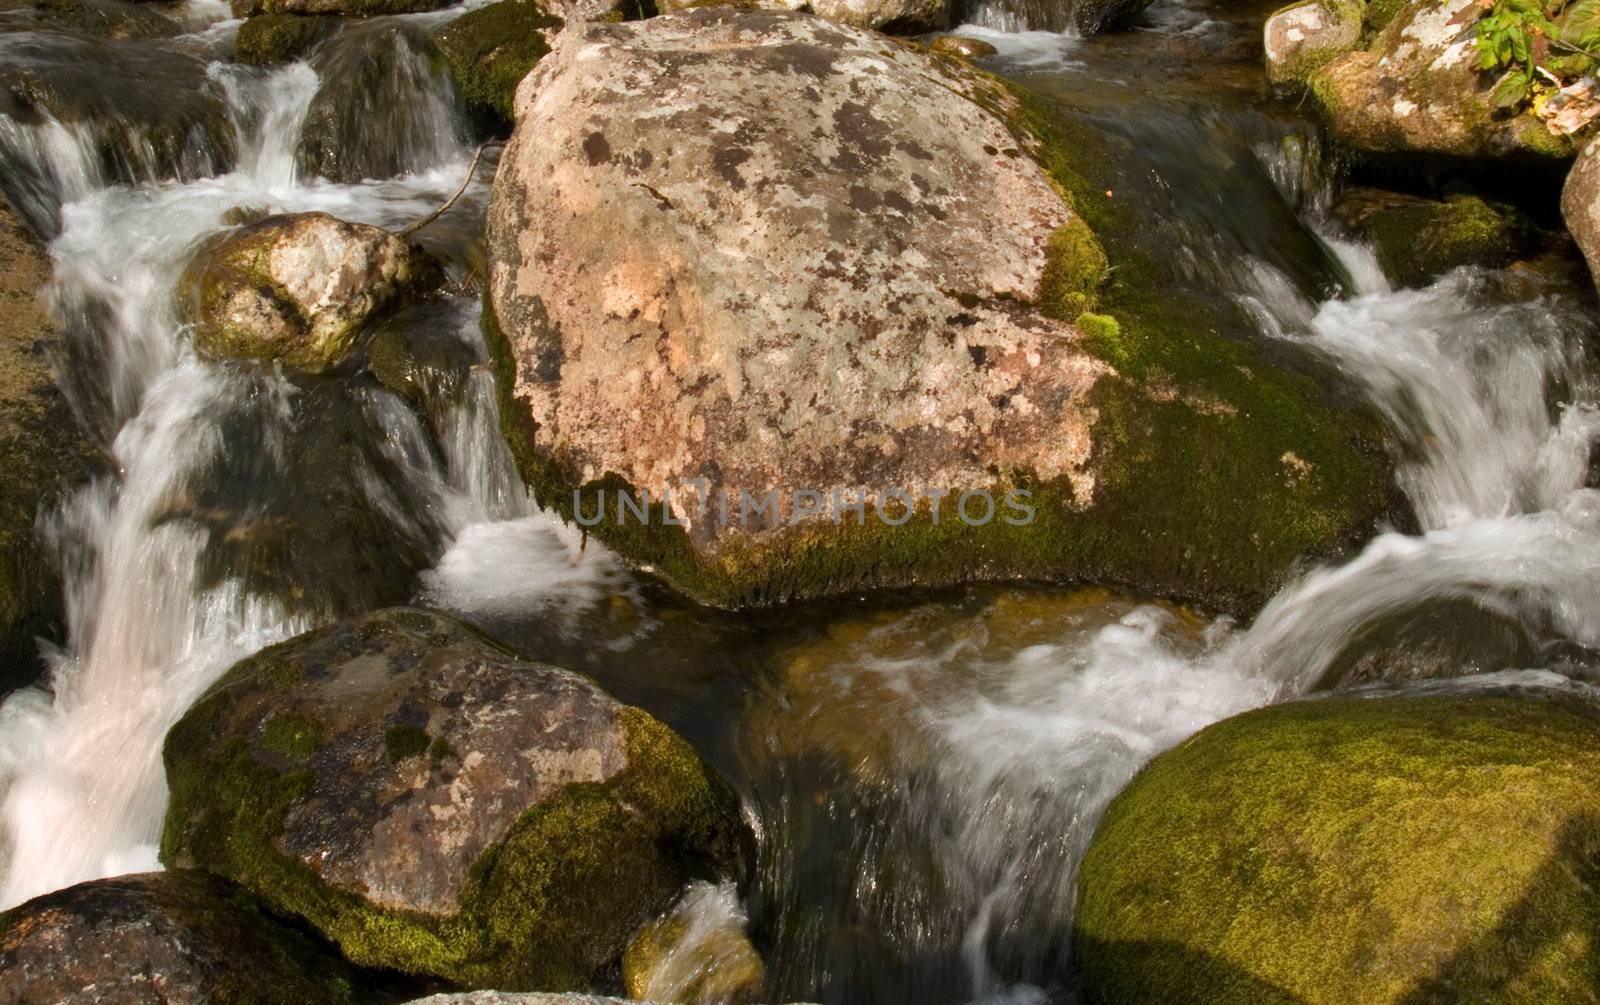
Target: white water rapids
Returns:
[[1493, 405]]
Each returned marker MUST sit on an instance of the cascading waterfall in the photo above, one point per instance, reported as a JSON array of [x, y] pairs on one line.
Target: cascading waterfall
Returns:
[[149, 629], [950, 847]]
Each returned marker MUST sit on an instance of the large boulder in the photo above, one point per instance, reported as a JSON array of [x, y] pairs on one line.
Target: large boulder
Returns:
[[435, 805], [744, 257], [1302, 38], [295, 288], [44, 453], [1580, 205], [165, 938], [385, 105], [1418, 90], [491, 49], [1350, 849]]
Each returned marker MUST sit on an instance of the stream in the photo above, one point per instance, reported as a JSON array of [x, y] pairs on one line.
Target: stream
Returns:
[[923, 771]]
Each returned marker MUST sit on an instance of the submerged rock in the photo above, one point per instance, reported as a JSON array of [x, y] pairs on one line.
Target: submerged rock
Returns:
[[1342, 850], [697, 954], [492, 48], [268, 39], [44, 453], [1417, 89], [1306, 36], [295, 288], [175, 123], [385, 106], [833, 273], [112, 20], [163, 938], [435, 805], [962, 47], [1418, 240]]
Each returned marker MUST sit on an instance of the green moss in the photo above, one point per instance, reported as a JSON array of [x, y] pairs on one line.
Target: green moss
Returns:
[[1075, 268], [401, 742], [280, 38], [573, 876], [1103, 334], [720, 967], [1419, 241], [491, 49], [440, 750], [292, 735], [1371, 850], [1378, 13]]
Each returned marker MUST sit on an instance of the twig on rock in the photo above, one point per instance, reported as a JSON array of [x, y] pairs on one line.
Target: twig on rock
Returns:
[[472, 169]]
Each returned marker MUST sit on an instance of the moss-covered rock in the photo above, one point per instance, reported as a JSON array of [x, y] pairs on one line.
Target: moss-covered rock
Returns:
[[1418, 240], [347, 8], [384, 106], [113, 20], [43, 451], [1344, 850], [175, 938], [1147, 447], [434, 805], [1303, 37], [697, 954], [491, 49], [962, 47], [296, 288], [268, 39], [1416, 90]]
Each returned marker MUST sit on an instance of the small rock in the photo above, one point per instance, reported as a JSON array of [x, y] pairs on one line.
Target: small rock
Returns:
[[698, 954], [962, 47], [295, 288], [1304, 37], [435, 805], [163, 938]]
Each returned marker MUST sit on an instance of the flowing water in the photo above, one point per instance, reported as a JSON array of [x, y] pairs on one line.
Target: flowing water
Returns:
[[923, 771]]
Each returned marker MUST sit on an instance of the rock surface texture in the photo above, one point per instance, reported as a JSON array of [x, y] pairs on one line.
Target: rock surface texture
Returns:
[[741, 255], [295, 288], [165, 938], [902, 16], [1417, 89], [435, 805], [1402, 849], [44, 453], [1580, 205]]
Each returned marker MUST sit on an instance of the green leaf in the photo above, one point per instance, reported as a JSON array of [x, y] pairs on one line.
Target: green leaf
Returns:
[[1580, 25], [1510, 91]]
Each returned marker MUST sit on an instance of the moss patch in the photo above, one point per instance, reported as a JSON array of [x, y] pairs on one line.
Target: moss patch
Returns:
[[1422, 240], [491, 49], [269, 39], [1372, 850]]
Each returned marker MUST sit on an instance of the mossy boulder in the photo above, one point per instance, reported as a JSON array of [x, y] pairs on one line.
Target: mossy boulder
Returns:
[[490, 50], [1355, 849], [296, 288], [915, 312], [1418, 240], [347, 8], [44, 452], [435, 805], [385, 105], [174, 124], [165, 938], [269, 39], [1417, 91], [962, 47], [1303, 37], [112, 20]]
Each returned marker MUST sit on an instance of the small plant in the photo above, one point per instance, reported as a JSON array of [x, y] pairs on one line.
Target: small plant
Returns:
[[1539, 47]]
